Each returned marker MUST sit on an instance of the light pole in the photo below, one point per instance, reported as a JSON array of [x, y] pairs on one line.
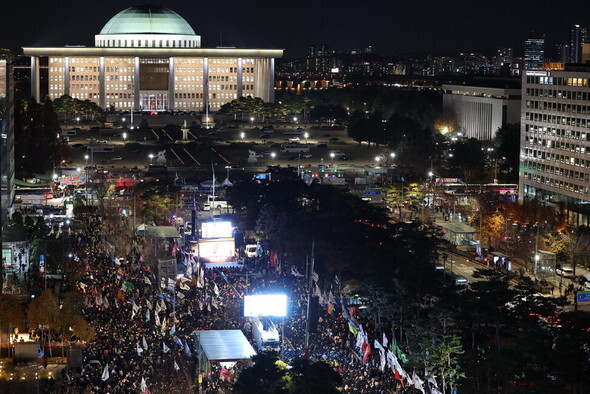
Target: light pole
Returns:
[[151, 156], [377, 160], [242, 135], [306, 135], [273, 155], [78, 120], [295, 119], [392, 156], [86, 178], [332, 155], [124, 138], [251, 119]]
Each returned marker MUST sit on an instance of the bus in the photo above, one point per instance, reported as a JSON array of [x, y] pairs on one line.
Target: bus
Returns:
[[294, 147], [100, 149]]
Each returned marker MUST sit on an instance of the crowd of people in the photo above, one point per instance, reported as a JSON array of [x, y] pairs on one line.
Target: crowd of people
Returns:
[[145, 339]]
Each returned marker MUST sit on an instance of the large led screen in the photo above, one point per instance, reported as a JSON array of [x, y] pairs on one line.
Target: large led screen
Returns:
[[265, 305], [216, 230], [217, 251]]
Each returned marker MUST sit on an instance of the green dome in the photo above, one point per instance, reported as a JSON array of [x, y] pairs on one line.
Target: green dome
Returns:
[[147, 19]]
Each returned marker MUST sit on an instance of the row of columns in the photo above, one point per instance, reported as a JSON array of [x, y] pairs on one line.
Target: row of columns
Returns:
[[264, 81]]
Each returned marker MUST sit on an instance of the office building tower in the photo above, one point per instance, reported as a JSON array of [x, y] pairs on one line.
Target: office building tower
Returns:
[[579, 37], [534, 53], [555, 140]]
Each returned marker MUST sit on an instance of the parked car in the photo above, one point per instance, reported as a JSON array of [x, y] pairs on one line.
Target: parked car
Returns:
[[117, 158], [566, 272], [77, 146], [104, 162], [294, 139], [344, 158], [265, 136], [101, 141]]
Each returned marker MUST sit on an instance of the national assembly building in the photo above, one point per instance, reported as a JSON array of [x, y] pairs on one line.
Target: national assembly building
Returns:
[[149, 58]]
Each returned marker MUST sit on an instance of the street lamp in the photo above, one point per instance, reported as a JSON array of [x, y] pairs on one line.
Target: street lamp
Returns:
[[295, 119], [242, 135], [306, 135], [123, 120], [86, 178], [124, 138], [151, 156], [273, 155], [252, 119], [78, 120], [378, 159], [332, 155]]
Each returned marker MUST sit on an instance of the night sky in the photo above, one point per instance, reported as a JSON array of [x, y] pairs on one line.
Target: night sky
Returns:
[[391, 27]]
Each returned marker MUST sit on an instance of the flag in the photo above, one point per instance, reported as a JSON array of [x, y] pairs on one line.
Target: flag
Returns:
[[329, 308], [385, 341], [157, 317], [184, 287], [400, 354], [145, 345], [352, 328], [105, 373], [216, 289], [294, 272], [163, 327], [147, 280], [314, 276], [163, 283], [178, 341], [174, 248], [367, 353], [171, 282], [187, 350], [143, 386], [176, 367], [381, 354], [147, 315], [165, 348], [139, 350], [135, 309], [224, 374], [180, 295], [173, 329], [148, 304], [127, 285], [397, 376], [418, 383], [162, 305]]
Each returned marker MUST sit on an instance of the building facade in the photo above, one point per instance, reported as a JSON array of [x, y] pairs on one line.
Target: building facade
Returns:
[[579, 37], [480, 110], [534, 53], [6, 137], [149, 58], [555, 140]]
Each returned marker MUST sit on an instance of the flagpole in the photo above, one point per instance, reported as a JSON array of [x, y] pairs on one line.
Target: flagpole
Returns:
[[309, 285]]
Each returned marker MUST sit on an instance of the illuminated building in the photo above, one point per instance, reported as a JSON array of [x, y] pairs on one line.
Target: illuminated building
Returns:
[[149, 58], [481, 110], [555, 140]]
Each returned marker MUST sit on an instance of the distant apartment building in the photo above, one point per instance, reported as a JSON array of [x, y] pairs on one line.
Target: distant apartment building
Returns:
[[555, 140], [481, 110], [534, 53]]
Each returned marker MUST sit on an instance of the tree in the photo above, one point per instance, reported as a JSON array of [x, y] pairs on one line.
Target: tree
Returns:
[[11, 312], [494, 228], [38, 142], [572, 244], [442, 359], [468, 159], [357, 127], [44, 311], [267, 375], [507, 143]]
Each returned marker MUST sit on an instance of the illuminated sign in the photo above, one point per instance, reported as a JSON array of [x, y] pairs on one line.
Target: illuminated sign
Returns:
[[265, 305], [216, 230], [537, 73]]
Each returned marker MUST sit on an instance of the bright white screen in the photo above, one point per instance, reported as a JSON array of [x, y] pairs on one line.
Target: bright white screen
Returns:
[[216, 230], [265, 305], [217, 251]]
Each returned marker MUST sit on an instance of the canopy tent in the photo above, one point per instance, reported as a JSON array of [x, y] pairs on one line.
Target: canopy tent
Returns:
[[161, 231], [458, 233], [222, 346]]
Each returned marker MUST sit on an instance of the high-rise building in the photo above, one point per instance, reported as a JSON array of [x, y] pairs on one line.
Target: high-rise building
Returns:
[[555, 140], [579, 37], [534, 53], [149, 58], [562, 53]]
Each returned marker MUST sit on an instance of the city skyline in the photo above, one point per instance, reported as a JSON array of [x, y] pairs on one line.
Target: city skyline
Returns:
[[390, 29]]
